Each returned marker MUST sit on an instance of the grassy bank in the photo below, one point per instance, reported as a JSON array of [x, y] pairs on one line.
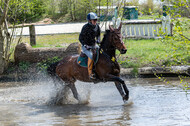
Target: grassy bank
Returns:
[[141, 53], [59, 40]]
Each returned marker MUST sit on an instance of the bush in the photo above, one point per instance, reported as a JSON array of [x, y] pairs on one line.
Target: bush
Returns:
[[26, 10]]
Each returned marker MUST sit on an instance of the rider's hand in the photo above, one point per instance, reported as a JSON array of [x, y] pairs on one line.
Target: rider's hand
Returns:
[[87, 47], [98, 41], [97, 46]]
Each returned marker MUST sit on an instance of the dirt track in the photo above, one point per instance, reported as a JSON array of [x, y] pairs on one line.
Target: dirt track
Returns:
[[44, 29]]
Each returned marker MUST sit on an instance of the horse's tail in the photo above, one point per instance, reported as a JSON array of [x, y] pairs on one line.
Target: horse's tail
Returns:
[[51, 70]]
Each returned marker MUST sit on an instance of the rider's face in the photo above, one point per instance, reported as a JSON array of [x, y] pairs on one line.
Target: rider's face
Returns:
[[94, 21]]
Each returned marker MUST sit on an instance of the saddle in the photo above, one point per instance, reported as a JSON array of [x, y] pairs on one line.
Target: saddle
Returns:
[[83, 59]]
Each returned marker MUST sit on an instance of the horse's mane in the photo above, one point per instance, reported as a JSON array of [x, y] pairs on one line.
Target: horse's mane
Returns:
[[105, 35], [105, 41]]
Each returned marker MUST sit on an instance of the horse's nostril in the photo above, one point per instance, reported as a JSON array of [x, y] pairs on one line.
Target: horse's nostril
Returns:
[[123, 51]]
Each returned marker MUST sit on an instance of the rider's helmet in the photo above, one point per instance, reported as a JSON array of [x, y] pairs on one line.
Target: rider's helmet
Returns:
[[92, 16]]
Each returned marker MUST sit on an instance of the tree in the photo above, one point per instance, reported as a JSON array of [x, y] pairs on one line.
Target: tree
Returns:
[[9, 10], [180, 40], [4, 34]]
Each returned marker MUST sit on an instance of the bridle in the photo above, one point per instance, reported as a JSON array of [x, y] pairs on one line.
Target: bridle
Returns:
[[114, 44], [118, 35]]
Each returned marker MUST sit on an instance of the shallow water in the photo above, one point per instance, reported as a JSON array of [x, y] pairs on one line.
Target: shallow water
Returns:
[[151, 103]]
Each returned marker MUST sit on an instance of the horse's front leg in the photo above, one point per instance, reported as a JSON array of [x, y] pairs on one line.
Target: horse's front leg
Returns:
[[120, 84], [126, 91], [110, 77], [120, 89]]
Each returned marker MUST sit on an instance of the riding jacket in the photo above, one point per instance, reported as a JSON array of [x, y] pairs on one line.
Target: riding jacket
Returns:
[[90, 34]]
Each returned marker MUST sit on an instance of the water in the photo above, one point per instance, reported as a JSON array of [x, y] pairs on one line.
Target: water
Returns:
[[151, 103]]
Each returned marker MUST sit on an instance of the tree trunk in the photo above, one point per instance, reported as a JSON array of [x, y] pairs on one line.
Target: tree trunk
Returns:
[[71, 9], [3, 12], [74, 9], [2, 61]]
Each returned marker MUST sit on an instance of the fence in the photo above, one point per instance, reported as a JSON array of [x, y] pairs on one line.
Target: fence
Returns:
[[131, 29], [145, 28], [19, 30]]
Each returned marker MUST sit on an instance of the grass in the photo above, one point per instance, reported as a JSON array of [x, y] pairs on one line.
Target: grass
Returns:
[[143, 53], [59, 40], [145, 17]]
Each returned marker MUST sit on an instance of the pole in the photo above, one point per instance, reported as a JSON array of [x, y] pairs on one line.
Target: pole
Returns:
[[32, 35]]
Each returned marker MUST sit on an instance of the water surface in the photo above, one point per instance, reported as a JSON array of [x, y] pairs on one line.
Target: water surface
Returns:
[[151, 103]]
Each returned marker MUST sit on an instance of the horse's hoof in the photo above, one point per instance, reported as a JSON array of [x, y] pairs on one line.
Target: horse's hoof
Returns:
[[125, 98], [128, 102], [79, 99], [125, 101]]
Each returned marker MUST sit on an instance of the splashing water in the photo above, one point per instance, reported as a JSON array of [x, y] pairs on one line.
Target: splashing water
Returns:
[[65, 96], [45, 92]]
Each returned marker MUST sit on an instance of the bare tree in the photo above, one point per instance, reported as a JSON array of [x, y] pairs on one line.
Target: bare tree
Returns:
[[4, 35]]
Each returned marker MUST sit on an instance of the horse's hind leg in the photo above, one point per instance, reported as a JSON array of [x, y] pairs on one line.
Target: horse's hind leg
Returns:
[[74, 90], [120, 89]]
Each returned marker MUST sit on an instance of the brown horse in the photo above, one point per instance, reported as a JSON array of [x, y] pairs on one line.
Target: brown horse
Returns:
[[106, 69]]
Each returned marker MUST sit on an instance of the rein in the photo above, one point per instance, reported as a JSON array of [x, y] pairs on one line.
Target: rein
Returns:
[[105, 54], [109, 57], [112, 46]]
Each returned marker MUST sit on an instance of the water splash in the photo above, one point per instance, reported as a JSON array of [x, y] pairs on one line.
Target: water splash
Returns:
[[43, 92]]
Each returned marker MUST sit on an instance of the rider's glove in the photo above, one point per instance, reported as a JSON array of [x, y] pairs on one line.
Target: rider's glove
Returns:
[[97, 46], [87, 47], [98, 40]]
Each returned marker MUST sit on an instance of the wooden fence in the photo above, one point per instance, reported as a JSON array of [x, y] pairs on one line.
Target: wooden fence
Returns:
[[32, 32], [131, 29], [145, 28]]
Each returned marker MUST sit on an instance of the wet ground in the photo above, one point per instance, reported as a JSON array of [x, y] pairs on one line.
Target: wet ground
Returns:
[[151, 103]]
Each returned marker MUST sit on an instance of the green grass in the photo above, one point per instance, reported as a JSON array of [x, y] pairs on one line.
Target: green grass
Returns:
[[144, 17], [58, 40], [143, 53]]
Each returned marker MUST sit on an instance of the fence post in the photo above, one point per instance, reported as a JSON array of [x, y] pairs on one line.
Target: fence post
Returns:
[[32, 35]]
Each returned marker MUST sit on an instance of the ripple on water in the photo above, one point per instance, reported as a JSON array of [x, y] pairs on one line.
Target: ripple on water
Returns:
[[151, 103]]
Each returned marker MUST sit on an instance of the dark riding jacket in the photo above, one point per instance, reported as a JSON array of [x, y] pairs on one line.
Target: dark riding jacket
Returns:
[[89, 34]]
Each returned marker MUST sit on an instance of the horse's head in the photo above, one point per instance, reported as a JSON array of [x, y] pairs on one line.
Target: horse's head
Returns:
[[116, 39]]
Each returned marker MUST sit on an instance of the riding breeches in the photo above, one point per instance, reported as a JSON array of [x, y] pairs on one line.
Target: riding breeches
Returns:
[[89, 52]]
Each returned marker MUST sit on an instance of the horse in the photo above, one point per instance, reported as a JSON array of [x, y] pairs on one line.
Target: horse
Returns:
[[106, 69]]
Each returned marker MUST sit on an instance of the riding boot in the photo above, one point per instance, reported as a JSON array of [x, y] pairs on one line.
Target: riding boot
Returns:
[[90, 66]]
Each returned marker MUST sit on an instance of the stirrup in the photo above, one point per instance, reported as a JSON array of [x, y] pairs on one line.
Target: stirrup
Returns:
[[92, 76]]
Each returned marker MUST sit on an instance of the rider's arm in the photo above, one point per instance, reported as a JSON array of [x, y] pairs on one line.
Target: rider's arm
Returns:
[[98, 35], [86, 36], [83, 34], [81, 38]]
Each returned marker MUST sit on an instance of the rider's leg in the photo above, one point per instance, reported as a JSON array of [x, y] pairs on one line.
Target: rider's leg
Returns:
[[90, 66], [89, 53]]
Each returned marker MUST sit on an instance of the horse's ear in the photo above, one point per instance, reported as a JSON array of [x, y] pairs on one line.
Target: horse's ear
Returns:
[[119, 28], [111, 29]]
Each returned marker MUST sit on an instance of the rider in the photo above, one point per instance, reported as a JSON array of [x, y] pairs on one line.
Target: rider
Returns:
[[89, 36]]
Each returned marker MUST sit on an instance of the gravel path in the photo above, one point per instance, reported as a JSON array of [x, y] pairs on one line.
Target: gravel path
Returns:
[[58, 28]]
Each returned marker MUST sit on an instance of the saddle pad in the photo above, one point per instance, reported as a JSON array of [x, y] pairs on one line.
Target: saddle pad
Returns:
[[83, 61]]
